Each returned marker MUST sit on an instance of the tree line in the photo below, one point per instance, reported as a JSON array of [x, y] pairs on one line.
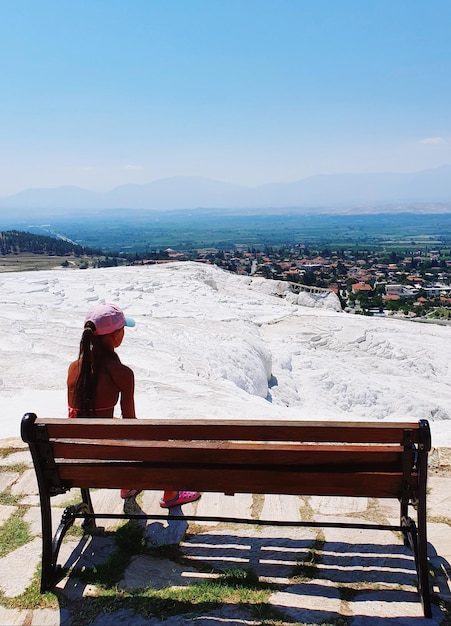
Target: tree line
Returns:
[[20, 242]]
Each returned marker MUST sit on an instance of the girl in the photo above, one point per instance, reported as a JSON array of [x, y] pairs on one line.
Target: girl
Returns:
[[98, 379]]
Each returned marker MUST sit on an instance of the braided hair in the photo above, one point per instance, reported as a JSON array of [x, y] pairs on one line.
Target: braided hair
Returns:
[[94, 355]]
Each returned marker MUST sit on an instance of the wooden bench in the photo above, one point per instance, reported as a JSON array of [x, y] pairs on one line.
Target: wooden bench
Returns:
[[375, 459]]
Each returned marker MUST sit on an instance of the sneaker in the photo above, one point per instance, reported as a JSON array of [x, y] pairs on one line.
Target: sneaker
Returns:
[[183, 497], [129, 493]]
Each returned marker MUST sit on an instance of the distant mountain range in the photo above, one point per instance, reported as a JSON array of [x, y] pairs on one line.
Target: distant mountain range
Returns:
[[322, 193]]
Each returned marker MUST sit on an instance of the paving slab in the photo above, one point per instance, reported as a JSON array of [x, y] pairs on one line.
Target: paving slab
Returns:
[[51, 617], [390, 608], [391, 510], [312, 602], [13, 442], [444, 455], [107, 501], [220, 505], [6, 512], [7, 480], [26, 484], [439, 540], [30, 500], [276, 508], [14, 617], [33, 519], [23, 456], [439, 496], [365, 556], [18, 567], [439, 553], [87, 551], [147, 572], [333, 505], [150, 502]]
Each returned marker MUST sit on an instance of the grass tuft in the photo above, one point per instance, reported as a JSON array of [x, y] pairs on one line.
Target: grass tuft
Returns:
[[14, 532], [307, 568], [17, 467], [4, 452], [8, 499], [239, 577], [445, 606], [439, 519], [306, 511], [258, 501], [347, 592]]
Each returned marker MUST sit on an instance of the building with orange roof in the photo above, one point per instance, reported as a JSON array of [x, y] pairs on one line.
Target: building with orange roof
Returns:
[[361, 287]]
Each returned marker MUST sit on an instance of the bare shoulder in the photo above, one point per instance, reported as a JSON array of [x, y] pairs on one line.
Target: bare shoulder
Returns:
[[120, 372], [73, 370]]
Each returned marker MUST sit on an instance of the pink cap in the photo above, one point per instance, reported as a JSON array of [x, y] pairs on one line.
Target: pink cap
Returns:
[[107, 318]]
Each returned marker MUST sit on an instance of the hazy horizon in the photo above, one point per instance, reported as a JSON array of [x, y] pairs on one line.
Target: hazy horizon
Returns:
[[398, 171], [326, 192]]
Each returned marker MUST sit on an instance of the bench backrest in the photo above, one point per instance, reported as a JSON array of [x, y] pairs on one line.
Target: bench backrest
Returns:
[[375, 459]]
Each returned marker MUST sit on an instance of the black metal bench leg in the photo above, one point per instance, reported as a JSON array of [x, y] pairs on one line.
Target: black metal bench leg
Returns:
[[48, 572], [51, 545], [416, 539], [422, 565], [88, 523], [404, 521], [68, 518], [423, 568]]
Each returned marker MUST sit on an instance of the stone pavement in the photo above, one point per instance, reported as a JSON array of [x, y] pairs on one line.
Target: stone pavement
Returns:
[[352, 577]]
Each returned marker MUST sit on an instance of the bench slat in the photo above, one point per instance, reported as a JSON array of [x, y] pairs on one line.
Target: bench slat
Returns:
[[240, 480], [253, 430], [231, 453]]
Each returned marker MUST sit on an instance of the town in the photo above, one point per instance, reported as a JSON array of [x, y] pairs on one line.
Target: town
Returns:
[[376, 280], [417, 284]]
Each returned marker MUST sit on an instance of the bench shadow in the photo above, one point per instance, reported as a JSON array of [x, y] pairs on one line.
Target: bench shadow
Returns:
[[361, 579], [339, 562], [345, 578]]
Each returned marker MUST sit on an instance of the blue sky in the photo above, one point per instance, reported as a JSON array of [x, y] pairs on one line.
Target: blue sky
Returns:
[[99, 93]]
